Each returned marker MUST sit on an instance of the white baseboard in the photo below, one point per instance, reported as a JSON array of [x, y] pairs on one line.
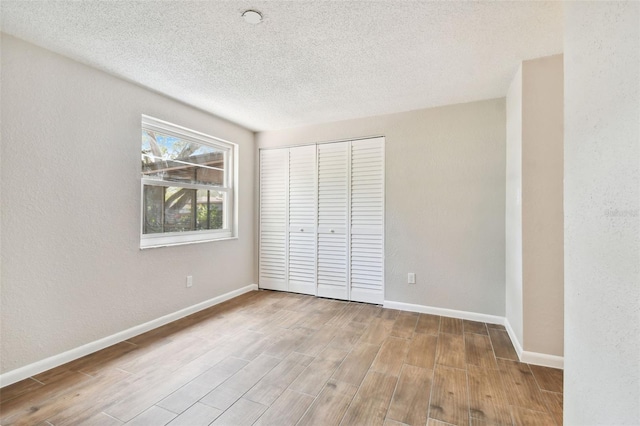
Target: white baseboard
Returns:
[[72, 354], [545, 360], [514, 339], [535, 358], [472, 316]]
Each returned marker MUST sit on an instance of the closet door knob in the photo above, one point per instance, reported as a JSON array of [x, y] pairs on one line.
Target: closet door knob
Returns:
[[332, 231], [301, 229]]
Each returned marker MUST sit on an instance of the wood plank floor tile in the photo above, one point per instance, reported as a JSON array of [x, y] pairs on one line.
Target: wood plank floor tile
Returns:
[[28, 404], [487, 397], [314, 344], [154, 415], [248, 345], [371, 402], [134, 403], [330, 406], [241, 413], [97, 363], [422, 351], [525, 417], [522, 389], [405, 325], [196, 415], [286, 410], [355, 366], [554, 405], [83, 398], [391, 356], [89, 405], [410, 402], [346, 338], [496, 326], [549, 379], [287, 342], [389, 422], [17, 389], [346, 315], [478, 350], [451, 325], [390, 314], [225, 395], [220, 372], [368, 313], [313, 378], [449, 401], [269, 388], [434, 422], [281, 319], [187, 395], [378, 330], [450, 350], [101, 419], [428, 324], [502, 346], [474, 327]]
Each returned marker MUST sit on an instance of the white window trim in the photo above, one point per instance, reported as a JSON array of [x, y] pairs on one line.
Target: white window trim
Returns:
[[230, 214]]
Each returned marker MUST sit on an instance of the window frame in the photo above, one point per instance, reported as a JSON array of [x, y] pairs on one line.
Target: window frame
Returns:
[[229, 188]]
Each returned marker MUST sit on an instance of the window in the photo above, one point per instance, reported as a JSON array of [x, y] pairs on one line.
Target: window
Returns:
[[188, 185]]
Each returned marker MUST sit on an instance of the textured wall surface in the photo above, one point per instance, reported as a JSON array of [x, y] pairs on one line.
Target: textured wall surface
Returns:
[[72, 271], [602, 219], [445, 185], [513, 207]]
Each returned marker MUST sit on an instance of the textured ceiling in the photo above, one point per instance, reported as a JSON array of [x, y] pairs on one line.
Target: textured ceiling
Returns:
[[308, 61]]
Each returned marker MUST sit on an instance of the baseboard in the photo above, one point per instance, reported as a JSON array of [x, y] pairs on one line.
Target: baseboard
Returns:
[[72, 354], [536, 358], [514, 339], [472, 316], [545, 360]]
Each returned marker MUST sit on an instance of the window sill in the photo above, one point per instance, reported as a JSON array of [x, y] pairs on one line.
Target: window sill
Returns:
[[150, 245]]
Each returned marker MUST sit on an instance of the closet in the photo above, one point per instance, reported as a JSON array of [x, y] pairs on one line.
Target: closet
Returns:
[[322, 219]]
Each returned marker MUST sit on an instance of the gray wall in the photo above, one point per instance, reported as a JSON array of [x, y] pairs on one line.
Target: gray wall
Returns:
[[445, 204], [602, 219], [72, 271]]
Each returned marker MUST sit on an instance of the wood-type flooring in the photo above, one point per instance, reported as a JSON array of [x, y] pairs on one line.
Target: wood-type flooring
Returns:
[[270, 358]]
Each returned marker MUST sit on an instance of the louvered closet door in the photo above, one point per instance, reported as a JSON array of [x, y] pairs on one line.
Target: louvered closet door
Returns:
[[367, 220], [333, 220], [274, 178], [302, 220]]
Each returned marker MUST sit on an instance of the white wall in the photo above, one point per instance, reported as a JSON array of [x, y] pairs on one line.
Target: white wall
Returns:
[[72, 271], [445, 183], [602, 219], [513, 208]]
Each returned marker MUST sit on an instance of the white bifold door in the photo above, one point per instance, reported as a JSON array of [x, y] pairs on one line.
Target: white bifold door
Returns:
[[322, 220]]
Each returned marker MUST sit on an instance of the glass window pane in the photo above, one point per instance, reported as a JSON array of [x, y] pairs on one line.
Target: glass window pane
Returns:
[[153, 206], [210, 210], [178, 209], [173, 159]]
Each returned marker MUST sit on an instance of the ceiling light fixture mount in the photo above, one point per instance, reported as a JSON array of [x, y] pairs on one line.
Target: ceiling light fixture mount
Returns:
[[252, 16]]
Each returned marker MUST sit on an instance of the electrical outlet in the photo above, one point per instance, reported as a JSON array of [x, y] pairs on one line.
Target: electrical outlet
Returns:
[[189, 280], [411, 278]]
